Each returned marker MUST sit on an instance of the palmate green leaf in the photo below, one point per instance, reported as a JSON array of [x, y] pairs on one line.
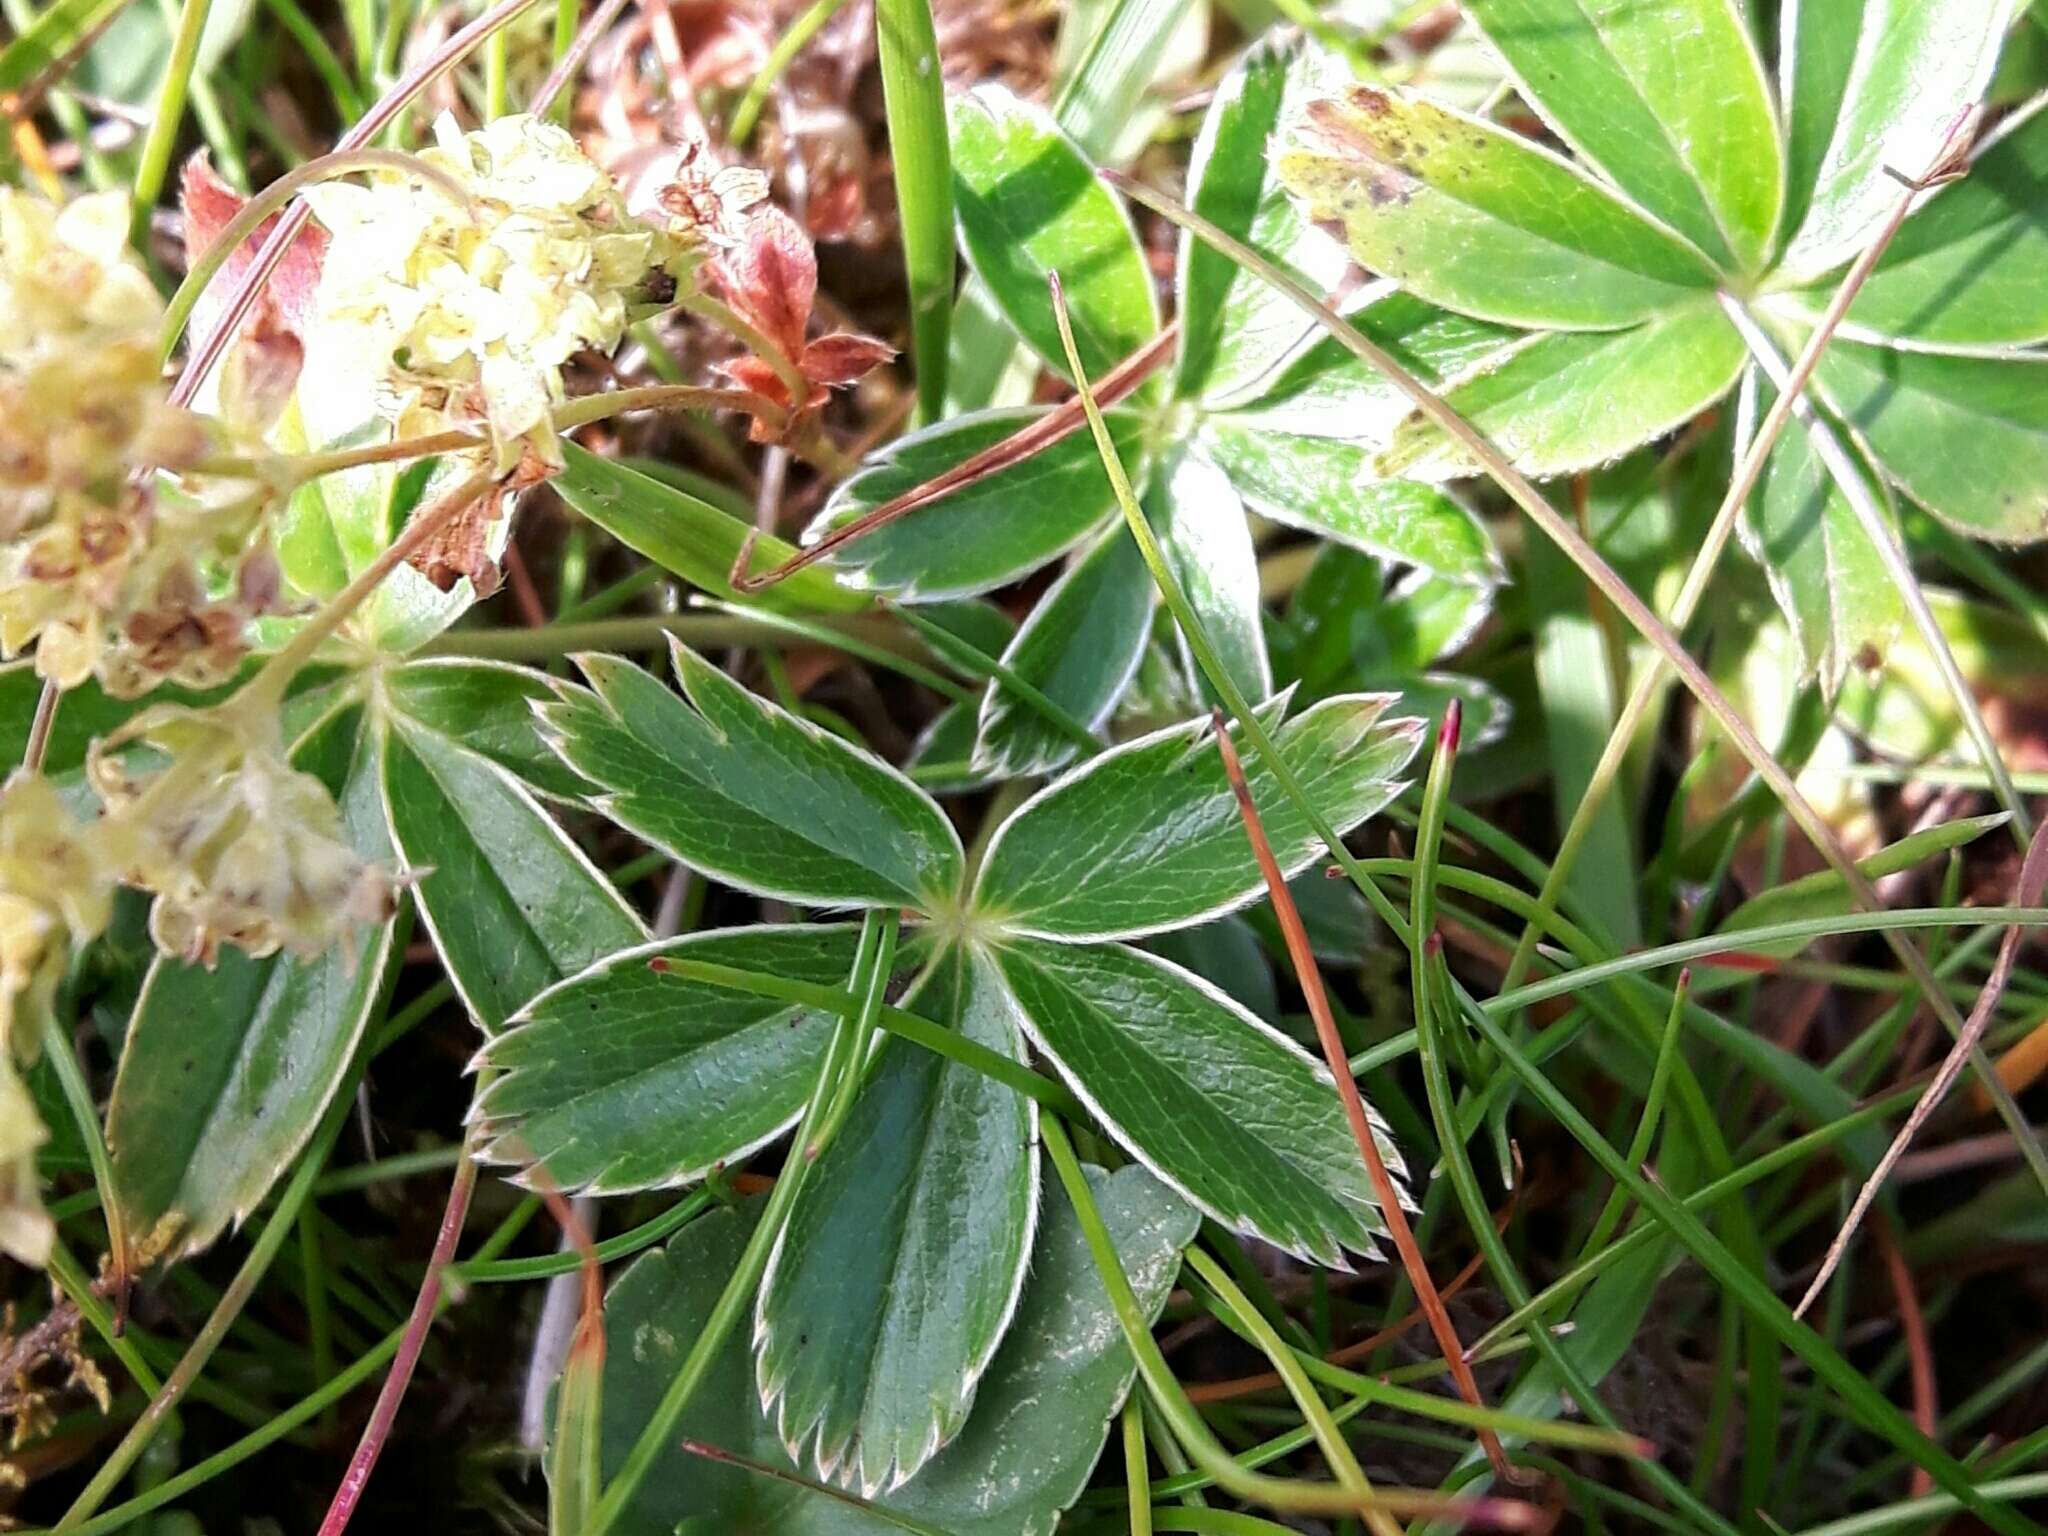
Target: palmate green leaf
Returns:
[[1332, 488], [1871, 87], [1965, 269], [1147, 836], [688, 535], [512, 904], [1227, 1110], [750, 794], [1079, 648], [904, 1255], [225, 1072], [1569, 401], [1478, 219], [1828, 578], [1825, 894], [1667, 97], [1227, 955], [621, 1078], [1029, 204], [488, 707], [989, 533], [1200, 523], [1235, 329], [1330, 392], [1039, 1419], [1966, 437]]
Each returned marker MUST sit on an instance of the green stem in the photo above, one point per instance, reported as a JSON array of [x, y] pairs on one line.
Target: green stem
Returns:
[[497, 89], [232, 1300], [313, 1273], [1751, 940], [1137, 1480], [841, 640], [1646, 1128], [1253, 1324], [612, 1249], [914, 101], [1930, 1507], [74, 1283], [971, 658], [787, 47], [155, 161], [265, 691], [85, 1116], [935, 1038]]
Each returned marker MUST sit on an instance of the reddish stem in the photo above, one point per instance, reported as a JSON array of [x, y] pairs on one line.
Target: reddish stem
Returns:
[[1062, 421], [392, 1393], [1913, 1324], [1310, 976]]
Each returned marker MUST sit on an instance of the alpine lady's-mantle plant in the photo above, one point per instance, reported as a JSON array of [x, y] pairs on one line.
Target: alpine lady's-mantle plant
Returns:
[[147, 544], [219, 623]]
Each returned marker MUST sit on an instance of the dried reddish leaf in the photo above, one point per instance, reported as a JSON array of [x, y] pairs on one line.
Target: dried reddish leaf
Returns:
[[842, 358], [770, 278], [461, 547], [287, 299]]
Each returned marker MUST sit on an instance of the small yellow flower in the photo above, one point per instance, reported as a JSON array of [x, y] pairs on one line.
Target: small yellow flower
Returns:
[[66, 275], [238, 846], [56, 891], [26, 1231], [463, 312]]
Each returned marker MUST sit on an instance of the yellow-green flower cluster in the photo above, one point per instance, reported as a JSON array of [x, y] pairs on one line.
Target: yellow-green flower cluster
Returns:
[[238, 846], [465, 312], [56, 891], [103, 570]]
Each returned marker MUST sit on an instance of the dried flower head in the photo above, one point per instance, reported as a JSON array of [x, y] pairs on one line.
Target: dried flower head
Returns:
[[238, 846], [466, 312], [156, 587], [138, 582], [56, 887], [26, 1230], [81, 397]]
